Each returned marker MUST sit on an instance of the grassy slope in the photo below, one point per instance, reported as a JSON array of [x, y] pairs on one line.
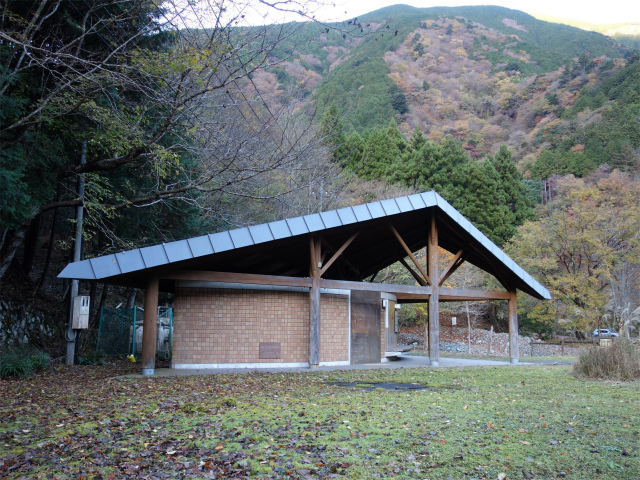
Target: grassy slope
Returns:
[[475, 423]]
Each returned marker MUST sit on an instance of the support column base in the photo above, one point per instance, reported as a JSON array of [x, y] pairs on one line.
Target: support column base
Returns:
[[434, 363], [313, 367], [515, 361], [148, 371]]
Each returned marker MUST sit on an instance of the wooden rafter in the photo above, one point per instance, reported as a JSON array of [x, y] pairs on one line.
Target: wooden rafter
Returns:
[[452, 267], [410, 255], [335, 256], [415, 274]]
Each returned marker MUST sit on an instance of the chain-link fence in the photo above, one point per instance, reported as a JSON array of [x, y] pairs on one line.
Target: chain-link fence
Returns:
[[120, 331]]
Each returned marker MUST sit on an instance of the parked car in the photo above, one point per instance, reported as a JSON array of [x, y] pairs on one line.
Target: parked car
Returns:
[[605, 332]]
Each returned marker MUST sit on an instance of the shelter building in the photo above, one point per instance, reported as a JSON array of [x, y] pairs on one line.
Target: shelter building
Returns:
[[302, 291]]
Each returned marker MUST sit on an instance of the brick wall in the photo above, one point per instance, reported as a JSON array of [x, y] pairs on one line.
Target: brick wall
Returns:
[[217, 326]]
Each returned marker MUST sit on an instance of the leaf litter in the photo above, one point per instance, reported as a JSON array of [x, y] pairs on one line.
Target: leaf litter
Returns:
[[529, 422]]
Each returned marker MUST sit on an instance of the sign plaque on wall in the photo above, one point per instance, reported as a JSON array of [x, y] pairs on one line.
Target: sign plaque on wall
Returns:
[[269, 350]]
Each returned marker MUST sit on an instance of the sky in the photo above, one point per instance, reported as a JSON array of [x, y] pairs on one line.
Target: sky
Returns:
[[598, 12]]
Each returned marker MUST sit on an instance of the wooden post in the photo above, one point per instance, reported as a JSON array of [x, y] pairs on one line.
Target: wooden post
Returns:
[[314, 304], [150, 329], [562, 348], [434, 313], [514, 354]]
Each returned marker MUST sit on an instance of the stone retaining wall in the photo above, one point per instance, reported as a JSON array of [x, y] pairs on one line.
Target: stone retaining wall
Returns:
[[454, 339]]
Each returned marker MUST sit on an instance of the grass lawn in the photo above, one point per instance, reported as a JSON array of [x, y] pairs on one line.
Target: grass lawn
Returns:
[[525, 422]]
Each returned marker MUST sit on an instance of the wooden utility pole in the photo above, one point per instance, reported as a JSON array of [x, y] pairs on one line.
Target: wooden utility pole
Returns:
[[514, 354], [434, 307], [150, 328], [314, 303]]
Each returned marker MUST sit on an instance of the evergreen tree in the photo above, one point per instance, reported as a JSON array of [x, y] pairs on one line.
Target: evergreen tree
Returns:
[[510, 182]]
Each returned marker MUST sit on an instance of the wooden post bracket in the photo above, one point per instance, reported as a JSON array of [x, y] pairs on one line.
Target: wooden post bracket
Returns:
[[335, 256], [411, 256], [457, 260]]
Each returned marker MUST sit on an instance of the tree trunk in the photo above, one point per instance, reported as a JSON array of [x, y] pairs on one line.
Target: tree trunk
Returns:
[[12, 239], [31, 244], [468, 328], [43, 275], [131, 297]]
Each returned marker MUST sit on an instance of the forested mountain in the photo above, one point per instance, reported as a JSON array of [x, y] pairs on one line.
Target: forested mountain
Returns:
[[178, 131]]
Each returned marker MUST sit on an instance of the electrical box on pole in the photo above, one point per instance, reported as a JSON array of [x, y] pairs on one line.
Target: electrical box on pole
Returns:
[[81, 312]]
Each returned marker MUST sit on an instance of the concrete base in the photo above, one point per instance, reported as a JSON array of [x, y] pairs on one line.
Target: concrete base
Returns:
[[434, 363], [148, 371], [515, 361]]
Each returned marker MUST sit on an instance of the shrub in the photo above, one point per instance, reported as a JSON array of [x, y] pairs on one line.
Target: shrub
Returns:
[[22, 363], [40, 360], [620, 361]]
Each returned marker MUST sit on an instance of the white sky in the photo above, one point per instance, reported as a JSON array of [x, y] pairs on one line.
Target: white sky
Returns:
[[598, 12]]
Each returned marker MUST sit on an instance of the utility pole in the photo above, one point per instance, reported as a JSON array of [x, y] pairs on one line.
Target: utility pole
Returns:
[[77, 253]]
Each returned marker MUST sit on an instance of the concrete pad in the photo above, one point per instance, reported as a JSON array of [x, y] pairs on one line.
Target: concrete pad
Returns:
[[408, 361]]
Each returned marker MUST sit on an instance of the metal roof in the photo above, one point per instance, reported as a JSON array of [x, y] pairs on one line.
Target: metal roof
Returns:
[[281, 247]]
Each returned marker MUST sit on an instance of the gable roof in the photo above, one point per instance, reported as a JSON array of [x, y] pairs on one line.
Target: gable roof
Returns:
[[282, 248]]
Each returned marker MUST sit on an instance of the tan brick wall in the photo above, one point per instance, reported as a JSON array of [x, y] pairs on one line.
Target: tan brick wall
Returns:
[[334, 328], [214, 326]]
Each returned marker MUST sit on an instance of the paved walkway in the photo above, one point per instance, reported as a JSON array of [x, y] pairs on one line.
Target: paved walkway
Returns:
[[408, 361]]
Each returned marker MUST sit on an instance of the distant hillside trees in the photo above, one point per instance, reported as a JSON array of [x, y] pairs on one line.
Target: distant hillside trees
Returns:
[[490, 192], [584, 248]]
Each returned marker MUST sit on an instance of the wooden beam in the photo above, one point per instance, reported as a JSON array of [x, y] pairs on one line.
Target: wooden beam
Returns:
[[434, 301], [314, 304], [150, 326], [415, 274], [410, 254], [462, 294], [452, 267], [374, 287], [450, 295], [514, 353], [230, 277], [335, 256]]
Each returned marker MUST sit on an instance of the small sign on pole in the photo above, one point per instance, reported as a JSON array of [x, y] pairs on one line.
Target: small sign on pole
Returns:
[[81, 312], [454, 321]]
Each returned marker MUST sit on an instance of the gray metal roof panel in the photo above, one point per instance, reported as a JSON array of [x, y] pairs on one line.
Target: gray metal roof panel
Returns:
[[177, 251], [130, 261], [154, 256], [261, 233], [297, 226], [390, 207], [80, 269], [105, 266], [331, 219], [376, 210], [200, 246], [404, 204], [416, 201], [314, 222], [361, 212], [138, 259], [430, 198], [221, 242], [280, 229], [347, 216], [241, 237]]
